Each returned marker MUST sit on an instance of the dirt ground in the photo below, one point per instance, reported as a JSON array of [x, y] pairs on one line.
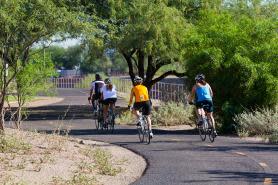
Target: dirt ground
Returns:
[[34, 158]]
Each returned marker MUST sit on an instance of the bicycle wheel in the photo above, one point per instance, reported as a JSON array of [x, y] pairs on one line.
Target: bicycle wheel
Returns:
[[147, 136], [140, 133], [97, 123], [202, 132], [211, 132], [111, 119]]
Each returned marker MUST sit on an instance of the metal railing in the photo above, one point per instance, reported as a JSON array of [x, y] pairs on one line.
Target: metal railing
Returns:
[[160, 91], [66, 82]]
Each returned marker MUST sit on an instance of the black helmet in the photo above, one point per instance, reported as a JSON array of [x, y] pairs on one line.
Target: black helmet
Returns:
[[98, 77], [107, 81], [200, 77], [138, 79]]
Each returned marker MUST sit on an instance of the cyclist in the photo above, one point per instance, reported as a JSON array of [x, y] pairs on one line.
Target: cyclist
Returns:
[[203, 98], [95, 94], [142, 100], [108, 97]]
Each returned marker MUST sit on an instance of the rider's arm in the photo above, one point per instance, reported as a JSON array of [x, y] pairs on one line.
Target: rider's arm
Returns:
[[92, 90], [192, 95], [101, 93], [131, 97], [210, 90]]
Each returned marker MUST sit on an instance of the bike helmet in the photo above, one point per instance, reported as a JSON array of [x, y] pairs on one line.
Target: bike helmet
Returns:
[[107, 81], [138, 79], [98, 77], [199, 77]]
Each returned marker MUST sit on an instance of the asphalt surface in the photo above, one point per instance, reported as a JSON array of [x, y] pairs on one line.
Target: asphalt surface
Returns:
[[173, 157]]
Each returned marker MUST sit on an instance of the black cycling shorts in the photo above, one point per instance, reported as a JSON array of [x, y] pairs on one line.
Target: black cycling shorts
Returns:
[[207, 105], [145, 106], [109, 101]]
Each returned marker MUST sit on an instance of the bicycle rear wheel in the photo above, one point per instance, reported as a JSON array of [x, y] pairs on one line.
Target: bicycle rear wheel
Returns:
[[140, 133], [147, 136], [111, 124], [212, 135], [97, 123], [202, 132]]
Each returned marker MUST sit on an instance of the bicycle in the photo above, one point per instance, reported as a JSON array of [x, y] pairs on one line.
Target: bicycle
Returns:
[[205, 128], [143, 129], [111, 119], [99, 118]]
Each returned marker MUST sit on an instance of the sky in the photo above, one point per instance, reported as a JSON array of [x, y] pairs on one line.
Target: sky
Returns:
[[66, 43]]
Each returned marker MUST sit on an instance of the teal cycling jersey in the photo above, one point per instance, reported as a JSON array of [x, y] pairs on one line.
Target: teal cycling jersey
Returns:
[[203, 93]]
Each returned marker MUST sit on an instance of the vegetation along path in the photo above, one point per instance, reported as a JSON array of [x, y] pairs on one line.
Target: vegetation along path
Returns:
[[174, 157]]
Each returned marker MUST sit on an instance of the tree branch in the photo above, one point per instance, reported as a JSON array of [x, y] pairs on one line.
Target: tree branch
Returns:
[[173, 72]]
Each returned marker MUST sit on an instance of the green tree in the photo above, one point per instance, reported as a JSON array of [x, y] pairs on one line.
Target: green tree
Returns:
[[238, 54], [148, 34], [23, 23], [32, 79]]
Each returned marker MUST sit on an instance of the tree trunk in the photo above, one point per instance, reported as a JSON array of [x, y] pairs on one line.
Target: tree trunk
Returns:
[[141, 70], [2, 115], [18, 117]]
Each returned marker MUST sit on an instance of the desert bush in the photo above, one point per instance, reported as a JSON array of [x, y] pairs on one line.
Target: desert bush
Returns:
[[171, 113], [261, 122], [103, 163]]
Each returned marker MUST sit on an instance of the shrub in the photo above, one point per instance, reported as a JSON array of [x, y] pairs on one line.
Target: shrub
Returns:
[[171, 113], [126, 117], [261, 122], [237, 54]]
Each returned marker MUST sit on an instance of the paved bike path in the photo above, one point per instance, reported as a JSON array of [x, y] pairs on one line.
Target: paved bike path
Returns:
[[174, 157]]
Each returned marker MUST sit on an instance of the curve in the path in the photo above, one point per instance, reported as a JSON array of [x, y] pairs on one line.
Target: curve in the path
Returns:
[[174, 157]]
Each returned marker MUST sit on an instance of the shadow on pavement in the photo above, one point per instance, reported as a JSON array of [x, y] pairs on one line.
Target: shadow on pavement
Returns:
[[58, 112], [222, 175]]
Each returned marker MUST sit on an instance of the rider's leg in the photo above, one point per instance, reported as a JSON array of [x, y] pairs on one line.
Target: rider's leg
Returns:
[[105, 112], [200, 114], [149, 121], [210, 116], [136, 113]]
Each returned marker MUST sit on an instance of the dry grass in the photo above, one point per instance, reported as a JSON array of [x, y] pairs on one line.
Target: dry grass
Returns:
[[103, 163]]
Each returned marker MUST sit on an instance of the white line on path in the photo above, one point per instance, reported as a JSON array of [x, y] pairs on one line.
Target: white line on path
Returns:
[[240, 153]]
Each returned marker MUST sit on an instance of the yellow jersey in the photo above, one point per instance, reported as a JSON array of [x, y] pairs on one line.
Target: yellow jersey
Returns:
[[141, 93]]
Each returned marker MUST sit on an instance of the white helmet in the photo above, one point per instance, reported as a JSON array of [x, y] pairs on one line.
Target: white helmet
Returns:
[[138, 79]]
